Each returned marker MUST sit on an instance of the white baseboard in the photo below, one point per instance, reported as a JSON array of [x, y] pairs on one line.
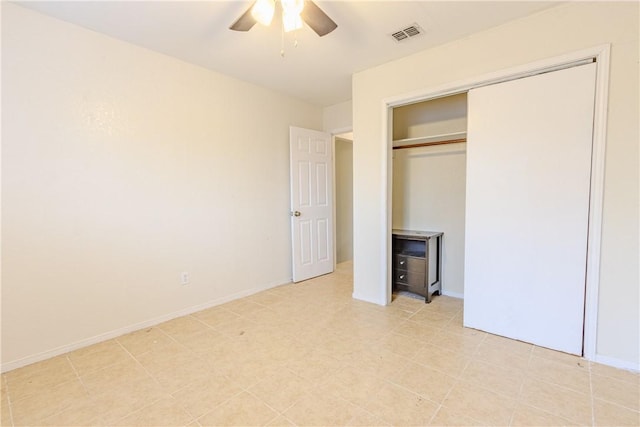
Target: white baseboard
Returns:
[[617, 363], [14, 364], [372, 301], [447, 293]]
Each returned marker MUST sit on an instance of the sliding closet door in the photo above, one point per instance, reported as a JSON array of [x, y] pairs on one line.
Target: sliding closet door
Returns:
[[527, 206]]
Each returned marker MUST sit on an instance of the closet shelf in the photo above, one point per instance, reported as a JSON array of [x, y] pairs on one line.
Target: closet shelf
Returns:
[[425, 141]]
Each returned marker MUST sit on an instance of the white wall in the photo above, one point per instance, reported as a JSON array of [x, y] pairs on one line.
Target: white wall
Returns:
[[553, 32], [121, 168]]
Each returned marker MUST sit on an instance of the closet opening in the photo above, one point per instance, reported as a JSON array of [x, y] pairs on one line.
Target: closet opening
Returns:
[[428, 203]]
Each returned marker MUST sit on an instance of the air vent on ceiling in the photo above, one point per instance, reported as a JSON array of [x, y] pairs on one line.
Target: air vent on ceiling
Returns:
[[406, 33]]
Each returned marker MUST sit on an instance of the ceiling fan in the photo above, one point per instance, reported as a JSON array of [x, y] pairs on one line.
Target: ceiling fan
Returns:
[[294, 12]]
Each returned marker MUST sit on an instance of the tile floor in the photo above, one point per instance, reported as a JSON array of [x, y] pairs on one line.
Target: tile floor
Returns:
[[308, 354]]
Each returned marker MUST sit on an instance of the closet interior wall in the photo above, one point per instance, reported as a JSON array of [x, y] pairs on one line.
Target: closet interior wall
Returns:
[[429, 181]]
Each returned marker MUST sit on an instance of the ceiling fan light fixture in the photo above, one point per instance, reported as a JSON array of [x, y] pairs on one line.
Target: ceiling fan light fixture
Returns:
[[263, 11], [291, 10], [291, 21]]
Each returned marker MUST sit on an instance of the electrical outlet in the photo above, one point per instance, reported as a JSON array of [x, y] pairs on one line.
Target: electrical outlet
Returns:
[[184, 278]]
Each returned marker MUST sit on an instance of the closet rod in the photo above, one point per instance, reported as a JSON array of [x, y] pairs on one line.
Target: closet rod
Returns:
[[427, 144]]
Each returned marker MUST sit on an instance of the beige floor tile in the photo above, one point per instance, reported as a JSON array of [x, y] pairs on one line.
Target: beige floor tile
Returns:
[[215, 315], [321, 409], [430, 317], [341, 347], [525, 415], [501, 379], [575, 377], [461, 343], [366, 419], [47, 402], [266, 298], [383, 363], [35, 378], [450, 362], [609, 414], [241, 410], [497, 355], [144, 340], [224, 360], [58, 363], [447, 417], [401, 344], [400, 407], [417, 331], [366, 332], [5, 412], [281, 421], [98, 356], [282, 389], [265, 316], [235, 328], [252, 372], [456, 325], [429, 383], [127, 397], [480, 404], [560, 357], [203, 396], [166, 357], [185, 325], [560, 401], [242, 306], [81, 413], [164, 412], [619, 374], [352, 385], [509, 346], [622, 393], [180, 376], [113, 375], [315, 366], [202, 341]]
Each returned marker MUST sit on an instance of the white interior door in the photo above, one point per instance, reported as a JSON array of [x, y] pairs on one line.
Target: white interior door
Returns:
[[311, 203], [527, 205]]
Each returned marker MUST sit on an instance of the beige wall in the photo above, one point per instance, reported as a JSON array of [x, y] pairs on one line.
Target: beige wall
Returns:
[[338, 118], [122, 168], [344, 199], [553, 32]]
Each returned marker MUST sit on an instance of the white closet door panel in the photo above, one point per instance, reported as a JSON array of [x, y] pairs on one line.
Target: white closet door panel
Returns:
[[527, 206]]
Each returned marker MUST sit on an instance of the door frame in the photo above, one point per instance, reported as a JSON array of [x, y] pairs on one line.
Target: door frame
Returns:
[[601, 55]]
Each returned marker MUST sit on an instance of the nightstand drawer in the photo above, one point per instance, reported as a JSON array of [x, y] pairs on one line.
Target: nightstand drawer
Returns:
[[411, 278], [408, 263]]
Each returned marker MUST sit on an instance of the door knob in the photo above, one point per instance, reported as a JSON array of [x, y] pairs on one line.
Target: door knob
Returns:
[[296, 213]]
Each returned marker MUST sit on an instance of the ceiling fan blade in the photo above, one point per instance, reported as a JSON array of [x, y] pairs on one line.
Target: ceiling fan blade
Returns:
[[245, 21], [317, 19]]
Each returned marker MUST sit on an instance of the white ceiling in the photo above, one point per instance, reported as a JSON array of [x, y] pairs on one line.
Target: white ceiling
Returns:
[[318, 70]]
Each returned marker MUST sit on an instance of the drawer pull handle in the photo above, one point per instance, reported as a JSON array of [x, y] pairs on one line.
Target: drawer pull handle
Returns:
[[401, 276], [402, 262]]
